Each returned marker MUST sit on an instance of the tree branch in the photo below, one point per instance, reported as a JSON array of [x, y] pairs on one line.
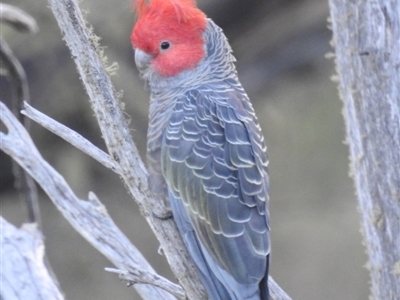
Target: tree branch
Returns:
[[144, 277], [367, 43], [16, 74], [89, 218], [70, 136], [23, 273], [18, 19]]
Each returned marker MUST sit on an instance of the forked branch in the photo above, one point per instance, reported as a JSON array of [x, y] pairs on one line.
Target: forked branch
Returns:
[[89, 218]]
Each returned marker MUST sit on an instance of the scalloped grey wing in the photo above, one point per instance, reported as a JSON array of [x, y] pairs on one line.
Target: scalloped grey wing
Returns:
[[213, 158]]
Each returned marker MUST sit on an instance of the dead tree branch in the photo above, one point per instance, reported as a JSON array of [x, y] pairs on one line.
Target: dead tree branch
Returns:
[[23, 273], [141, 276], [72, 137], [18, 19], [14, 71], [367, 43], [89, 218]]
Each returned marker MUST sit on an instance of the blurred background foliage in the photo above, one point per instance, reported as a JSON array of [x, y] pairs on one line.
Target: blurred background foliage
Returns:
[[280, 46]]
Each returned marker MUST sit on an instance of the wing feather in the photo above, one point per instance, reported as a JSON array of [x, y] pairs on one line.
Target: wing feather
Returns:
[[213, 159]]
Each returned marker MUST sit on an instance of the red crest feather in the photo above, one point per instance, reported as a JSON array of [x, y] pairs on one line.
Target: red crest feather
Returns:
[[178, 21], [182, 7]]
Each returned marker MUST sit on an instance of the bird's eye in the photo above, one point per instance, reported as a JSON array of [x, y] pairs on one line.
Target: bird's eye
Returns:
[[164, 45]]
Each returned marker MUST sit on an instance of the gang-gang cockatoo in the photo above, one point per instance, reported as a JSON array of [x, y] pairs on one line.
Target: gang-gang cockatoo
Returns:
[[205, 149]]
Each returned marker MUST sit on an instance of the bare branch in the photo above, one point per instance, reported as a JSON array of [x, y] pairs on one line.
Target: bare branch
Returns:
[[70, 136], [16, 74], [275, 291], [89, 218], [23, 273], [19, 84], [17, 18], [367, 43], [14, 70], [140, 276]]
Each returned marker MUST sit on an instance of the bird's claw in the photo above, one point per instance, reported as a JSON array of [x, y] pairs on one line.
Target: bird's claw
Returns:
[[163, 215]]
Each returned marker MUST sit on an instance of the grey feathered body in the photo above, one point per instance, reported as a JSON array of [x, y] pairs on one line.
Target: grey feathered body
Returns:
[[207, 152]]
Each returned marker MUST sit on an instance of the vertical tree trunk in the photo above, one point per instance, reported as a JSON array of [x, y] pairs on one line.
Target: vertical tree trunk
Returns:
[[367, 41]]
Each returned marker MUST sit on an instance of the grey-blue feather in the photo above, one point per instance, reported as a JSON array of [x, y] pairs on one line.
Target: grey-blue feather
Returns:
[[206, 150]]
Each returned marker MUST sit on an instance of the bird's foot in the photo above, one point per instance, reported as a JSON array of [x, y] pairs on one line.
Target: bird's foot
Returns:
[[163, 215]]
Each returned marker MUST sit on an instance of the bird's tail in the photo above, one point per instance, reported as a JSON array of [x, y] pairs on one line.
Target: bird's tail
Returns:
[[219, 284], [214, 287], [264, 284]]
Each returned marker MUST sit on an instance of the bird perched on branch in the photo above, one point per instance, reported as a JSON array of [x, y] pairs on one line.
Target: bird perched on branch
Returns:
[[205, 149]]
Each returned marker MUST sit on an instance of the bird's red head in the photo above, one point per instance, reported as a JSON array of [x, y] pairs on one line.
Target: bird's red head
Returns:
[[171, 31]]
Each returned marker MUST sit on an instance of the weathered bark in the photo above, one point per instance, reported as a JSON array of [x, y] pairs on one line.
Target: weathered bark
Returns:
[[16, 75], [89, 218], [367, 41], [23, 274]]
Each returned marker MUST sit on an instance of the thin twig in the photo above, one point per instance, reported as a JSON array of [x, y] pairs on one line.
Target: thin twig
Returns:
[[19, 84], [17, 18], [140, 276], [16, 74], [70, 136]]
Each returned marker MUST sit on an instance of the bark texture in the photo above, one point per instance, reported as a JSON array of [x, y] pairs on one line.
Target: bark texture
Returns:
[[23, 274], [89, 218], [367, 42]]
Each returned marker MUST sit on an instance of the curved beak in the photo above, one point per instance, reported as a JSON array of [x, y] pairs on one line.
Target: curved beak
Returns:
[[142, 59]]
